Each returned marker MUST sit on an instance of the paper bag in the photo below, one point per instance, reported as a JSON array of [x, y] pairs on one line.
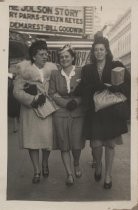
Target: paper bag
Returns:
[[117, 75]]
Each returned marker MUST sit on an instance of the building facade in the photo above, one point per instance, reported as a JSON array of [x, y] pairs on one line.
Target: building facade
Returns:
[[92, 21], [119, 36]]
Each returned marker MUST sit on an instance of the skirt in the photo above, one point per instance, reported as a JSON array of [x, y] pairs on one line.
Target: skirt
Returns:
[[108, 143], [34, 132], [68, 133]]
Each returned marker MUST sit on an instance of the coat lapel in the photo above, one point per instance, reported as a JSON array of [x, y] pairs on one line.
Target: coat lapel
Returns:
[[106, 76]]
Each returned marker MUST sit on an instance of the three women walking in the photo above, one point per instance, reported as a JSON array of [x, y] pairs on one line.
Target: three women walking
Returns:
[[74, 119]]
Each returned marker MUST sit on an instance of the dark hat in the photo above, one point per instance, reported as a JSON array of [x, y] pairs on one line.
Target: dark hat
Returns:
[[100, 39]]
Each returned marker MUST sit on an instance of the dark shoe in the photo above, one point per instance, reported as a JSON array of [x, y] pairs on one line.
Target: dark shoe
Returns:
[[36, 178], [107, 185], [45, 171], [69, 180], [98, 176], [77, 171]]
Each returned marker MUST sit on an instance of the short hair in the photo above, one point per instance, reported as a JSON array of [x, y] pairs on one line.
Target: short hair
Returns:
[[68, 48], [37, 45], [105, 42]]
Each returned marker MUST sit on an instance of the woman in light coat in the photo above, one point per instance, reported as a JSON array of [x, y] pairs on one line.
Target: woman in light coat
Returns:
[[30, 89]]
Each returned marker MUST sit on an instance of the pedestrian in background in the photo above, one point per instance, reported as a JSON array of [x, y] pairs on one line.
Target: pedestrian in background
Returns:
[[68, 119], [13, 104], [104, 127], [31, 90]]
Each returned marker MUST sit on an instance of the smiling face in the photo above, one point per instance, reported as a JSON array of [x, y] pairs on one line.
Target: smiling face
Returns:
[[66, 59], [100, 52], [40, 58]]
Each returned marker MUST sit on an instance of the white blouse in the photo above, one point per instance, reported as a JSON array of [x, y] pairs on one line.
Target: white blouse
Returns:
[[68, 78]]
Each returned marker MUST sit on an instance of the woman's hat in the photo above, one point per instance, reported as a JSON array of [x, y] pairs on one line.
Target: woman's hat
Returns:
[[66, 47], [99, 39]]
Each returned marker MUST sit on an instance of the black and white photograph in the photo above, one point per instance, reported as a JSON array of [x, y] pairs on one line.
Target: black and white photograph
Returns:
[[70, 122]]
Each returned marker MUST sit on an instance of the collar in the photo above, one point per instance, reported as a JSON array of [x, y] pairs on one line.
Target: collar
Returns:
[[72, 73]]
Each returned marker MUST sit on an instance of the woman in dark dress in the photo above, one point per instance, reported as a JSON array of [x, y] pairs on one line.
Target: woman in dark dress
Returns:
[[104, 127]]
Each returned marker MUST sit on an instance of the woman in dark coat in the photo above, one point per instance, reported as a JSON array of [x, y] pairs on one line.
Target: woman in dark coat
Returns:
[[104, 127]]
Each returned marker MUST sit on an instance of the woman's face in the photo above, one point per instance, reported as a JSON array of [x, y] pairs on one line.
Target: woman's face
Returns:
[[66, 59], [100, 52], [40, 58]]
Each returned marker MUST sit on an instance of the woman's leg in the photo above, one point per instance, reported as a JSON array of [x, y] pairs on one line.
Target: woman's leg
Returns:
[[15, 125], [76, 156], [45, 157], [109, 157], [66, 158], [93, 160], [97, 155], [34, 155]]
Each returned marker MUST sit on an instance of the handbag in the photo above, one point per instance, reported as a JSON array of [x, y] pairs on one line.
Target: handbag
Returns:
[[46, 109], [106, 98]]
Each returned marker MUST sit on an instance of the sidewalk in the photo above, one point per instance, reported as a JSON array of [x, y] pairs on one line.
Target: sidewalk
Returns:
[[53, 188]]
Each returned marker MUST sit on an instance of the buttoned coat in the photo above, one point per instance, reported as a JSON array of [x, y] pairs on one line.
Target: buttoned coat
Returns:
[[58, 91], [103, 124], [34, 132], [68, 125]]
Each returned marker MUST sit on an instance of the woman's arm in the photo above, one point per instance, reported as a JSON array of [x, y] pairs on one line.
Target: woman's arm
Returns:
[[125, 87], [59, 100], [19, 93]]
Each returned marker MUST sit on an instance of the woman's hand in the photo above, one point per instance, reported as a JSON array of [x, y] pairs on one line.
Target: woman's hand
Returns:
[[30, 89], [71, 105], [39, 100], [114, 88]]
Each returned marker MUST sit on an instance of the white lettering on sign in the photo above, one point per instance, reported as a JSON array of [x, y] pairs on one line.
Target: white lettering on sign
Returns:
[[65, 20]]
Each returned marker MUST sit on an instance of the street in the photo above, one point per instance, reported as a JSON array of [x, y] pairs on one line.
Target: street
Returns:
[[53, 188]]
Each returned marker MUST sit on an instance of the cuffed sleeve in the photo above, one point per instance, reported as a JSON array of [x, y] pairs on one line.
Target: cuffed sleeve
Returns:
[[59, 100], [19, 93]]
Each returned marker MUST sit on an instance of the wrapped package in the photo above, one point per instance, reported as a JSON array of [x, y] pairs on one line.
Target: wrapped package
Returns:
[[117, 75]]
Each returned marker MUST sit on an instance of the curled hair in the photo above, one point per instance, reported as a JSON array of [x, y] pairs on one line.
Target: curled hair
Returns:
[[70, 50], [37, 45], [105, 42]]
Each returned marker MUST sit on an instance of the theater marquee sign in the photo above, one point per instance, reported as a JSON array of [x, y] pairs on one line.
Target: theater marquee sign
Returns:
[[41, 19]]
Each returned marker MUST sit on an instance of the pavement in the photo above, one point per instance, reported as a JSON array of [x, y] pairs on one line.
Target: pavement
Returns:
[[53, 188]]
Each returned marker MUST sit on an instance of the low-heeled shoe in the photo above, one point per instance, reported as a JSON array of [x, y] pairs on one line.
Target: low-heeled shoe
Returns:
[[36, 178], [97, 177], [69, 180], [107, 185]]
